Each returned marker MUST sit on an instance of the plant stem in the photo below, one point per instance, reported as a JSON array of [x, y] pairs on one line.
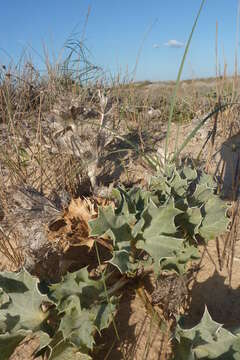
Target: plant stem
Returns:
[[173, 101], [106, 292]]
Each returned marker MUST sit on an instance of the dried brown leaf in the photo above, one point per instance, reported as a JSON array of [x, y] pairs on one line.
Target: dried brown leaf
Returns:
[[72, 229]]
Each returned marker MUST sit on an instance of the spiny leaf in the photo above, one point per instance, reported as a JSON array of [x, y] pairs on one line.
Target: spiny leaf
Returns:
[[179, 185], [215, 221], [207, 340], [222, 346], [77, 283], [121, 261], [137, 228], [104, 312], [206, 329], [179, 261], [126, 204], [84, 308], [160, 185], [77, 325], [194, 220], [44, 340], [159, 220], [24, 310], [160, 246], [117, 226], [207, 180], [189, 173], [200, 195], [133, 201]]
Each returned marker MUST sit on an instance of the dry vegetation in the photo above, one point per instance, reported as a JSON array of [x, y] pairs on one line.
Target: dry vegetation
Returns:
[[56, 169]]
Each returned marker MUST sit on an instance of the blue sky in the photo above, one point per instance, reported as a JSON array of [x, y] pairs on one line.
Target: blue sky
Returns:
[[116, 29]]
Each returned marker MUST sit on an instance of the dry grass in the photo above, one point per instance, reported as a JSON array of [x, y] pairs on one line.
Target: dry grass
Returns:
[[28, 156]]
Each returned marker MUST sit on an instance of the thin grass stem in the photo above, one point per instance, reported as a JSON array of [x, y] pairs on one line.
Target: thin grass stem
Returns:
[[173, 100]]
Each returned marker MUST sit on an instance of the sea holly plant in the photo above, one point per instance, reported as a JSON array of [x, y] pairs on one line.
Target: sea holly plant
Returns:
[[165, 221], [83, 308], [159, 226], [65, 320], [21, 311], [206, 340], [123, 225]]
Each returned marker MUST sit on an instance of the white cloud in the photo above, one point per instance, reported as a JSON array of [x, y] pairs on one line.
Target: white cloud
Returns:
[[156, 46], [174, 44]]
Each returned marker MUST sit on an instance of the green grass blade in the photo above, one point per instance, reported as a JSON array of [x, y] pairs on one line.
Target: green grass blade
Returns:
[[197, 127], [173, 101]]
